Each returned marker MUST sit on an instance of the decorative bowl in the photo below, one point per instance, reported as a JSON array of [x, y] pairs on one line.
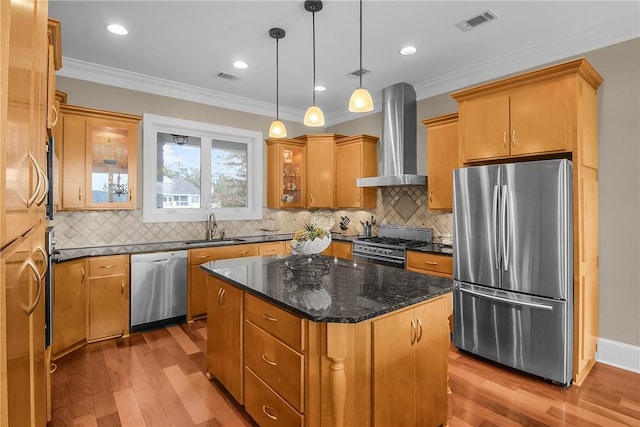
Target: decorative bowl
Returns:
[[310, 247]]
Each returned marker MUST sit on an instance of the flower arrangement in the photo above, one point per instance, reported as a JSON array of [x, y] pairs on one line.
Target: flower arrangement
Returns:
[[310, 240]]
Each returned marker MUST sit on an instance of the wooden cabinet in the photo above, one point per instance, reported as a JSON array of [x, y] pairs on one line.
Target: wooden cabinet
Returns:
[[355, 157], [429, 263], [99, 159], [534, 113], [224, 335], [108, 297], [410, 350], [342, 249], [274, 363], [69, 306], [320, 169], [54, 62], [23, 381], [274, 248], [286, 173], [550, 112], [442, 159], [197, 279]]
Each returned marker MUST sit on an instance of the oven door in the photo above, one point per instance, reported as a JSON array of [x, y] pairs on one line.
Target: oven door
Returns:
[[373, 259]]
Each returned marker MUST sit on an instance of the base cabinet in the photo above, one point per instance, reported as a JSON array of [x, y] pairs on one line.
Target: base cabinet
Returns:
[[342, 249], [429, 263], [69, 306], [108, 297], [224, 335], [410, 351]]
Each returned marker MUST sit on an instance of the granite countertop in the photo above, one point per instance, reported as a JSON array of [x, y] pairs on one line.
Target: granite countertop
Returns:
[[347, 293], [67, 254]]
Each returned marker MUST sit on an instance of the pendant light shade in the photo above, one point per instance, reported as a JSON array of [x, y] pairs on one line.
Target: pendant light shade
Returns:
[[314, 116], [361, 100], [277, 128]]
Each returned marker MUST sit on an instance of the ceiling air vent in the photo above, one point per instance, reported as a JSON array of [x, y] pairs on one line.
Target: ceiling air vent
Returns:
[[486, 16], [356, 74], [227, 76]]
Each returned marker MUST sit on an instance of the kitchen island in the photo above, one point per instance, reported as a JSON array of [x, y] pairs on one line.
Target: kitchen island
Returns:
[[329, 342]]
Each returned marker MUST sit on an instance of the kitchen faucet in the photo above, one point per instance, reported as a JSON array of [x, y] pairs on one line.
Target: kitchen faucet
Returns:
[[212, 226]]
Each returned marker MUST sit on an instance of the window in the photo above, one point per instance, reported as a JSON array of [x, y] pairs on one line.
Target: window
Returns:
[[191, 169]]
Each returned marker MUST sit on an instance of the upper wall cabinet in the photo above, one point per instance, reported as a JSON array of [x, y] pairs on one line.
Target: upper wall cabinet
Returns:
[[442, 159], [321, 178], [54, 62], [356, 157], [530, 114], [286, 173], [99, 154]]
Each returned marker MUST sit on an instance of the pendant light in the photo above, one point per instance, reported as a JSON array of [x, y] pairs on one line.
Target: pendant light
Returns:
[[360, 101], [314, 116], [277, 128]]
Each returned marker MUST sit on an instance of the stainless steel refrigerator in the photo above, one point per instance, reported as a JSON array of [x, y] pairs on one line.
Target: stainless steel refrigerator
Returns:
[[513, 265]]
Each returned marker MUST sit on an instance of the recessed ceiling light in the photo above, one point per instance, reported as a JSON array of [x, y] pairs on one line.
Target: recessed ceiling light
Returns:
[[408, 50], [320, 88], [117, 29], [240, 65]]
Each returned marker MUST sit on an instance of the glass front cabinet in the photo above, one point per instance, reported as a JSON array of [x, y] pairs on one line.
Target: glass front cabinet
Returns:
[[99, 155], [286, 176]]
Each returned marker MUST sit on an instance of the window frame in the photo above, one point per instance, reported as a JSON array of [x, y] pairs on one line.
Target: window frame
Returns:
[[152, 124]]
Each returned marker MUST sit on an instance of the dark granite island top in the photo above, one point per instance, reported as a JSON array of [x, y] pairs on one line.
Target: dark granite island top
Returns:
[[347, 292]]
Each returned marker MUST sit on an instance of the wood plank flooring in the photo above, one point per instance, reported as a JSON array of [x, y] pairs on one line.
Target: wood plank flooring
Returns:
[[157, 378]]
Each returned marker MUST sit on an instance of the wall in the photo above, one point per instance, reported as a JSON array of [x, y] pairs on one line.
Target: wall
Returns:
[[619, 136]]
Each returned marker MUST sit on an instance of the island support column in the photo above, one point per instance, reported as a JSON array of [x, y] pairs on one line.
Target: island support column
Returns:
[[337, 352]]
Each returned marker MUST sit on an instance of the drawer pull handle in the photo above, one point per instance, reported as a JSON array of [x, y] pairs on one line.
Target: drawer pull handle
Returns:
[[431, 263], [266, 412], [244, 252], [267, 361], [269, 318], [108, 266], [203, 256], [419, 330]]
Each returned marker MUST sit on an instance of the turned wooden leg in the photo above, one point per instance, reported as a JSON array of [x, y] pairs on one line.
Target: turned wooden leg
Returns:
[[337, 352]]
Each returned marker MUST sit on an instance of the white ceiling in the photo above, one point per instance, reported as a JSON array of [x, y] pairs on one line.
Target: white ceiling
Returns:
[[176, 48]]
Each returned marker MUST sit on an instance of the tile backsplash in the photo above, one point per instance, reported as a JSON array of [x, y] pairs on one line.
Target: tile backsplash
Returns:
[[395, 205]]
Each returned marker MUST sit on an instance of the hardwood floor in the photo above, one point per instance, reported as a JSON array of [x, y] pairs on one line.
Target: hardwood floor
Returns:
[[156, 378]]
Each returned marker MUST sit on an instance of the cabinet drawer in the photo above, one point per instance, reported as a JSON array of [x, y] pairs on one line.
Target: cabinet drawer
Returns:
[[108, 265], [274, 248], [279, 323], [276, 364], [429, 263], [265, 406], [202, 255]]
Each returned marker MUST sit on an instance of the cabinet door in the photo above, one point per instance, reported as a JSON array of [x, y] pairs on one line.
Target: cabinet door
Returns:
[[442, 158], [286, 174], [272, 248], [106, 307], [73, 162], [110, 164], [348, 169], [16, 286], [394, 368], [224, 335], [320, 172], [69, 305], [432, 352], [342, 249], [539, 115], [197, 292], [485, 127]]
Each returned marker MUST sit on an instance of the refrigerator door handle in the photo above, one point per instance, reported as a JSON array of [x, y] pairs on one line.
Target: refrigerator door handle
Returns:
[[504, 227], [494, 223], [507, 300]]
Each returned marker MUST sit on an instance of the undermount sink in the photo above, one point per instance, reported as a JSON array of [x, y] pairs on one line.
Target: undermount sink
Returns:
[[213, 241]]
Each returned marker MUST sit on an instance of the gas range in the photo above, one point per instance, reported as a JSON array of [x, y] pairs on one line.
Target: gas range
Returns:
[[390, 246]]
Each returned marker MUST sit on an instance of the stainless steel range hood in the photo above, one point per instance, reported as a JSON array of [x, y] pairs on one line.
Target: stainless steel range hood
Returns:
[[398, 156]]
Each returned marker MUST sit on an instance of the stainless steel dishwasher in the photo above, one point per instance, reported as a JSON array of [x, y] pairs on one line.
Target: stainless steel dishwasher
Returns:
[[158, 289]]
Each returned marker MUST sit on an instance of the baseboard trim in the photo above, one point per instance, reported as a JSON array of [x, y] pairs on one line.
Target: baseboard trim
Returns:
[[618, 354]]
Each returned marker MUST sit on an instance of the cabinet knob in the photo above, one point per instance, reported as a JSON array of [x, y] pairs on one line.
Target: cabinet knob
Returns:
[[79, 194], [122, 286]]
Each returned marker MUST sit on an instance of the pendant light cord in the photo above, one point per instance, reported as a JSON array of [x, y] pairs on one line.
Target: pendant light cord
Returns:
[[277, 82], [360, 71], [313, 17]]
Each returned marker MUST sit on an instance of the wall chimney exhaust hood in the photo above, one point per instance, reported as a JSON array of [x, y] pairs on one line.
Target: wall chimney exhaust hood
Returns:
[[398, 156]]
